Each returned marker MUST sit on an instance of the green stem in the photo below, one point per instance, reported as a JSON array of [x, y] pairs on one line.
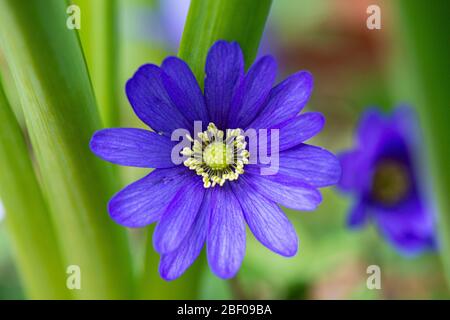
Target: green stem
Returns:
[[98, 35], [47, 64], [425, 29], [152, 286], [36, 252], [234, 20]]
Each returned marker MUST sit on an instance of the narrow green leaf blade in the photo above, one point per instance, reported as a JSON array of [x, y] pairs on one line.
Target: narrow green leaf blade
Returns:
[[47, 63], [234, 20], [98, 33], [426, 29], [37, 254], [153, 287]]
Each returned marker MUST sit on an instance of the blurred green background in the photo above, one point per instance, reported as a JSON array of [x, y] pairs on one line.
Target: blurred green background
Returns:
[[353, 67]]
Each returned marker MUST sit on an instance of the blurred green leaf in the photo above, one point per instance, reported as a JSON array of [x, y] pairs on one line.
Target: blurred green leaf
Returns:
[[98, 33], [233, 20], [47, 63], [426, 29], [152, 286], [37, 254]]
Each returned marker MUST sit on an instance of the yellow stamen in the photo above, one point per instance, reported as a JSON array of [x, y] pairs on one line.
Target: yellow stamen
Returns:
[[216, 159]]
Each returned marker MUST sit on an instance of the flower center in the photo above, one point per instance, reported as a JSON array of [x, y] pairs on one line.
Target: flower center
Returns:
[[217, 159], [390, 182], [218, 155]]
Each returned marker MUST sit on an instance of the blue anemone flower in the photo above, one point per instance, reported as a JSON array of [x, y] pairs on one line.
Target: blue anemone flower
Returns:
[[210, 199], [383, 174]]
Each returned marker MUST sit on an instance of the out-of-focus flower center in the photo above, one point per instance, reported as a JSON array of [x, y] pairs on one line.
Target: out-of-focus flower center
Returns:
[[390, 182], [215, 157]]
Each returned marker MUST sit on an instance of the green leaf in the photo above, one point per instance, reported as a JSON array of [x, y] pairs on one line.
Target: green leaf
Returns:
[[234, 20], [37, 254], [98, 33], [152, 286], [425, 30], [47, 64]]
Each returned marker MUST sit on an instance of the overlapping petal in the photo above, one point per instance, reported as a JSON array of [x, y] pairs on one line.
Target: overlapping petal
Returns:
[[151, 102], [266, 220], [297, 130], [224, 75], [289, 192], [183, 89], [175, 263], [178, 217], [285, 101], [134, 207], [226, 234], [256, 88], [314, 165]]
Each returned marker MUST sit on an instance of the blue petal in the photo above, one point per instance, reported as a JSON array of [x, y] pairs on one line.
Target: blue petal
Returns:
[[299, 129], [409, 227], [291, 193], [178, 217], [133, 147], [356, 171], [285, 101], [143, 202], [358, 215], [224, 74], [311, 165], [226, 235], [152, 104], [370, 127], [184, 90], [255, 91], [175, 263], [266, 220]]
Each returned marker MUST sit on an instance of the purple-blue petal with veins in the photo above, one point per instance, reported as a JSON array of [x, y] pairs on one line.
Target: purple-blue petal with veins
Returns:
[[289, 192], [285, 101], [133, 147], [255, 90], [184, 90], [175, 263], [266, 220], [224, 75], [151, 102], [143, 202], [314, 165], [179, 216], [226, 234], [296, 130]]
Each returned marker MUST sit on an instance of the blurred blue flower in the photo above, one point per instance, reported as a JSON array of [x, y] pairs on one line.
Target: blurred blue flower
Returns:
[[210, 196], [383, 174]]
